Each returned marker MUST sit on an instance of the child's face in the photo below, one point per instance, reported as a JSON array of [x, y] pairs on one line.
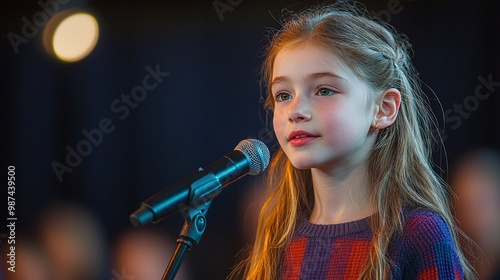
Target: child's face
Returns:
[[322, 112]]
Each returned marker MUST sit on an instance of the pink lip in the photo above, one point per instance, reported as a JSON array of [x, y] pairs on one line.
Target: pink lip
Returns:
[[299, 138]]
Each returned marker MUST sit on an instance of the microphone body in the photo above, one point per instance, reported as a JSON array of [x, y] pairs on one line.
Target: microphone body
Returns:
[[203, 184]]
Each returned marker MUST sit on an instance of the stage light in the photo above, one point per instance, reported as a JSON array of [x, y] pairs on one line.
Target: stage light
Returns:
[[71, 36]]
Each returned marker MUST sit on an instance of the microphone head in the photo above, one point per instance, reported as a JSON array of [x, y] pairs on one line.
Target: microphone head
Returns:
[[257, 152]]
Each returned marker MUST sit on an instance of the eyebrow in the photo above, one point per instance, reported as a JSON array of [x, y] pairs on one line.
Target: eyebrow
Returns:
[[284, 79], [325, 74]]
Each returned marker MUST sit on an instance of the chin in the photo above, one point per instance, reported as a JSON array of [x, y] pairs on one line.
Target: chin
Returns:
[[302, 164], [301, 167]]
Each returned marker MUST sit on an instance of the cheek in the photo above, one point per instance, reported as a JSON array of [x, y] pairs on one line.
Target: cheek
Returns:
[[279, 122], [280, 117], [336, 121], [345, 126]]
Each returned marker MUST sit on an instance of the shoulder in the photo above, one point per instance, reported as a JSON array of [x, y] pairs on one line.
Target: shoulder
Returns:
[[426, 230], [426, 248], [425, 224]]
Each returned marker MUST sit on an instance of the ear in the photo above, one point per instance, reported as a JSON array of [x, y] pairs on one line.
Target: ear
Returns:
[[387, 108]]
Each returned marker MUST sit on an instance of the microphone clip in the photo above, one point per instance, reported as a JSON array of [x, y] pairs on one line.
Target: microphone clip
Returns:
[[202, 191]]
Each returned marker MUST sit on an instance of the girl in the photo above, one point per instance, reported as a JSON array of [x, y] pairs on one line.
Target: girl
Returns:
[[353, 194]]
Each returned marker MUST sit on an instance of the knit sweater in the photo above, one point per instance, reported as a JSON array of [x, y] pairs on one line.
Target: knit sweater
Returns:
[[423, 250]]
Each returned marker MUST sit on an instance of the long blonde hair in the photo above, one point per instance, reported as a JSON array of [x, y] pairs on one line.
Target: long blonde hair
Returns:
[[400, 168]]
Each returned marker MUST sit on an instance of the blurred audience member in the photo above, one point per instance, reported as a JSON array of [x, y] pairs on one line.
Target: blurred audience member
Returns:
[[145, 254], [476, 183], [74, 243], [31, 263]]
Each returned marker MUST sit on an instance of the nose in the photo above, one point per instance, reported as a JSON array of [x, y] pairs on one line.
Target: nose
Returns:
[[299, 110]]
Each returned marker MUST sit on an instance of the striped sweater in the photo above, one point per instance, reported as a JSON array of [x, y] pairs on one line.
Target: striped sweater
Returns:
[[424, 250]]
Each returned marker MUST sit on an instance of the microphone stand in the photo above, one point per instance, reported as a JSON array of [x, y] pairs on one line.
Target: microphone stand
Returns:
[[201, 194]]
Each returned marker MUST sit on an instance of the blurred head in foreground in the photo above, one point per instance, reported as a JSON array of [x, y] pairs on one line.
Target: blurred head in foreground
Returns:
[[30, 261], [476, 183], [73, 243], [145, 253]]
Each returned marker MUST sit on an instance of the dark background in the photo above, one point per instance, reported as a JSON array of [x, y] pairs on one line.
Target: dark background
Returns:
[[208, 103]]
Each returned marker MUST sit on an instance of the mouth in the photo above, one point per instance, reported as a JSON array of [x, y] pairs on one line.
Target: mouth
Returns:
[[299, 138], [297, 134]]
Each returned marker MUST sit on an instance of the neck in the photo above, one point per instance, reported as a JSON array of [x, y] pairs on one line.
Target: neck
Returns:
[[341, 194]]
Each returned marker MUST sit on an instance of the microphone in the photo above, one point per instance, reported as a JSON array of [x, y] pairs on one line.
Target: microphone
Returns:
[[250, 156]]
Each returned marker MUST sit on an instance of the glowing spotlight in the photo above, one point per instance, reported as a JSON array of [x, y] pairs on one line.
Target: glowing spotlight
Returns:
[[71, 36]]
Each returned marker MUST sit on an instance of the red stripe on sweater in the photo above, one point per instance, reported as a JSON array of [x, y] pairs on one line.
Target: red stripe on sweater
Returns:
[[348, 258], [294, 258], [431, 273], [357, 258]]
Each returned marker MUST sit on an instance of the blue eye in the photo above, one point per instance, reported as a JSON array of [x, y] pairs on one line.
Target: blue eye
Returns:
[[326, 92], [282, 96]]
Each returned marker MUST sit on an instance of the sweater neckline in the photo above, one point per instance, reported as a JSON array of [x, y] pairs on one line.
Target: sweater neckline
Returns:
[[307, 229]]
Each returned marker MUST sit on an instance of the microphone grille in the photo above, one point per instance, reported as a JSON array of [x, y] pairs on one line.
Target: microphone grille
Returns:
[[257, 152]]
